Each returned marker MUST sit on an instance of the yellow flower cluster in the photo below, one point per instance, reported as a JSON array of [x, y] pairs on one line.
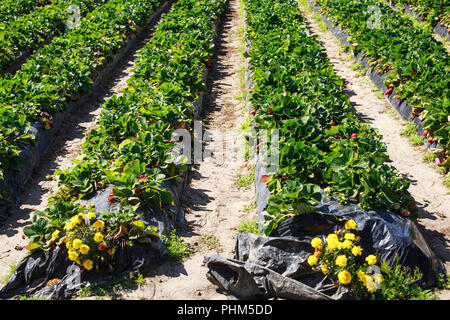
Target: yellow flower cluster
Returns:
[[338, 257], [78, 249], [370, 282]]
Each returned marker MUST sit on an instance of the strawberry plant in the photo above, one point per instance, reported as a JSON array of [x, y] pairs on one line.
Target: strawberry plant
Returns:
[[417, 65]]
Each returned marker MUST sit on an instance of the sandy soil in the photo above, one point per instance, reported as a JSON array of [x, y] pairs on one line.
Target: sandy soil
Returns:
[[427, 185], [67, 146], [213, 203]]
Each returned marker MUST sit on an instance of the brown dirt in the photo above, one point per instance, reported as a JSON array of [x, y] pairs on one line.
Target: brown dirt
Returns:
[[213, 203], [427, 185], [66, 147]]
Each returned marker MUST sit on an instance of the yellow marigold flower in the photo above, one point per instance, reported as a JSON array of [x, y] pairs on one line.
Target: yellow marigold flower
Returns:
[[362, 277], [68, 226], [312, 260], [347, 244], [356, 250], [77, 243], [69, 246], [324, 269], [98, 237], [88, 264], [340, 245], [332, 237], [55, 234], [341, 260], [350, 224], [344, 277], [91, 215], [84, 249], [349, 236], [69, 234], [99, 224], [371, 259], [316, 242], [73, 255], [332, 244], [78, 261], [80, 217]]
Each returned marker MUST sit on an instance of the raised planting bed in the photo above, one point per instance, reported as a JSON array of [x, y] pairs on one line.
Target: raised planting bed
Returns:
[[12, 9], [435, 13], [407, 63], [22, 36], [125, 186], [32, 116], [333, 178]]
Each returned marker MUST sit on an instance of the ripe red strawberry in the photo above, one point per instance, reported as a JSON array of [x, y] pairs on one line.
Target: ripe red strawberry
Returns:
[[137, 190], [425, 133], [198, 94], [430, 140], [101, 246], [253, 112], [7, 140], [251, 89], [99, 183], [391, 86], [337, 137], [405, 213], [354, 135], [333, 123], [388, 92], [270, 110], [182, 176], [379, 72], [435, 140], [23, 236]]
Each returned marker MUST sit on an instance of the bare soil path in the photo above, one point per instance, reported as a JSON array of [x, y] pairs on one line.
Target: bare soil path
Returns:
[[66, 147], [427, 185], [213, 203]]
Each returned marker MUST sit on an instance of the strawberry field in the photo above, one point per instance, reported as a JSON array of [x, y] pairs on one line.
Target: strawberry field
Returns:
[[331, 213]]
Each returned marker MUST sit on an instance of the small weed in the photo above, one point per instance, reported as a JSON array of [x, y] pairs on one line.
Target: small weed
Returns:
[[249, 226], [211, 241], [177, 249], [400, 284], [244, 181], [250, 208], [447, 180], [443, 281], [429, 157], [357, 66], [114, 288], [380, 95], [410, 131], [27, 298], [8, 276]]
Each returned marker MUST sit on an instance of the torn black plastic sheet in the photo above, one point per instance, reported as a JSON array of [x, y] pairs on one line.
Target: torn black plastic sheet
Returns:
[[402, 106], [15, 180]]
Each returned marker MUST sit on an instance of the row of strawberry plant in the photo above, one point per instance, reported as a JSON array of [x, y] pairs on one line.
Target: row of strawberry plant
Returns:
[[11, 9], [29, 32], [60, 72], [432, 11], [322, 143], [130, 149], [417, 66]]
